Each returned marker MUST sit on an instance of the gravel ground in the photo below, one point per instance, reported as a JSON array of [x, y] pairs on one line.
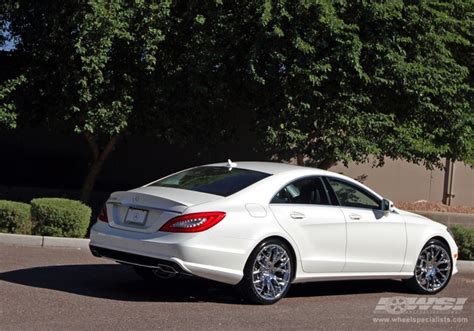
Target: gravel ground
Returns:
[[424, 205]]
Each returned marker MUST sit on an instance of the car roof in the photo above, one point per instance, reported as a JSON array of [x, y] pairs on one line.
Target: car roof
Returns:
[[268, 167], [274, 168]]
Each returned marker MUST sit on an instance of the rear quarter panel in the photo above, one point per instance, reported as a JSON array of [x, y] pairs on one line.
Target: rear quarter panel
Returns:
[[240, 227]]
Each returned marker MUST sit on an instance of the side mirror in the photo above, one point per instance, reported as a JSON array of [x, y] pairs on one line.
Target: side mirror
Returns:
[[387, 207]]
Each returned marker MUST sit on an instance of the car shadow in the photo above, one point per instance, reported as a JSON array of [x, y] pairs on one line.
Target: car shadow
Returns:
[[119, 282], [347, 287]]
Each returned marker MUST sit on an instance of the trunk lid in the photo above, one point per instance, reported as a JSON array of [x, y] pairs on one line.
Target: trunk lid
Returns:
[[147, 209]]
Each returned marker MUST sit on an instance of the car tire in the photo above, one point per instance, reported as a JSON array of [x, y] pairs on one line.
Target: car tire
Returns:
[[268, 273], [433, 269], [153, 275]]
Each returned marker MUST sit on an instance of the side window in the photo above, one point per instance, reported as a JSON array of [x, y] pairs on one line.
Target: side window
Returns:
[[309, 190], [350, 195]]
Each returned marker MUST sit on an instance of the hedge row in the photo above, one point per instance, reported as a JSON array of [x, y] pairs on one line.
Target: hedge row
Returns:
[[15, 217], [464, 238], [55, 217]]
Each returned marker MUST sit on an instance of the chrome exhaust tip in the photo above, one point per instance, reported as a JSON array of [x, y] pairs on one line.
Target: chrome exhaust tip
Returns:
[[166, 269], [95, 253]]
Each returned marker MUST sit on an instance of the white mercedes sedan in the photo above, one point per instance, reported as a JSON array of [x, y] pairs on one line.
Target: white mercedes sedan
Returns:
[[262, 226]]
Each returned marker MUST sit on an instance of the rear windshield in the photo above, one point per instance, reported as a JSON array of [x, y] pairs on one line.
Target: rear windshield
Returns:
[[213, 180]]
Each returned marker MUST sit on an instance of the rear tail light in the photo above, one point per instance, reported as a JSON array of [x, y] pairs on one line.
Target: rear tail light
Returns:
[[103, 214], [195, 222]]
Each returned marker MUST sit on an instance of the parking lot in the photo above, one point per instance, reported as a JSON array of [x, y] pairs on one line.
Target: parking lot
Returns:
[[53, 288]]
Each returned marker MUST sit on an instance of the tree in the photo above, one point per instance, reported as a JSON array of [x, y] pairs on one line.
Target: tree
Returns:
[[344, 81], [84, 65], [460, 36], [107, 69], [8, 84], [196, 78], [111, 52], [7, 105], [322, 81]]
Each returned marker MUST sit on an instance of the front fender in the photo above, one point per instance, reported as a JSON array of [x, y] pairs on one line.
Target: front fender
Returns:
[[419, 231]]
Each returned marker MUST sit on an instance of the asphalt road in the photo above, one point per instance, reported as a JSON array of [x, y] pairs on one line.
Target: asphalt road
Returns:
[[52, 288]]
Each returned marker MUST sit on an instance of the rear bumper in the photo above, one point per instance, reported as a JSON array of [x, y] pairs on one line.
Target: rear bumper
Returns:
[[455, 268], [219, 259], [133, 259]]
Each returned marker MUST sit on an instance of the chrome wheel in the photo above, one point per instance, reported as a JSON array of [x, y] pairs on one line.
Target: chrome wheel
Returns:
[[433, 268], [271, 272]]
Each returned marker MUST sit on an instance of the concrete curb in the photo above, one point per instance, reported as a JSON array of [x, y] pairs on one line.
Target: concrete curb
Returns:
[[42, 241], [466, 266]]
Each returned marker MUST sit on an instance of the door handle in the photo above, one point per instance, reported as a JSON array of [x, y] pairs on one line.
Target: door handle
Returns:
[[354, 217], [296, 215]]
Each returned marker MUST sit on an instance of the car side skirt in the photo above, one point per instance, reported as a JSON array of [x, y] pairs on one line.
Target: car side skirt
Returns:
[[351, 276]]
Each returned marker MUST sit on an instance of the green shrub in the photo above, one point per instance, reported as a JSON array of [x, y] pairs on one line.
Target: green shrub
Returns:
[[464, 238], [59, 217], [15, 217]]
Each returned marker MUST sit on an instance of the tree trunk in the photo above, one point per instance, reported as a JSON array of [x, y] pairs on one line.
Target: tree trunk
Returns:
[[300, 159], [99, 156], [447, 171], [448, 182], [327, 163]]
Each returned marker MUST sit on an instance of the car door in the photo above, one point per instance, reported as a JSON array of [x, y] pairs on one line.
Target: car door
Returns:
[[375, 242], [304, 211]]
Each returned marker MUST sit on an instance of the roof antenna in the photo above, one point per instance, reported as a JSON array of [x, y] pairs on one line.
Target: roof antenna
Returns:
[[231, 164]]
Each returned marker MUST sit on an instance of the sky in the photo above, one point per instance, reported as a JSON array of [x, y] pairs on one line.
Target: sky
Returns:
[[10, 42], [8, 46]]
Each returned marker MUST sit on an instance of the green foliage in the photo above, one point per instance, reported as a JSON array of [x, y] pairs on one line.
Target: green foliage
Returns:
[[87, 56], [326, 80], [464, 238], [60, 217], [15, 217], [86, 63], [7, 105], [342, 81]]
